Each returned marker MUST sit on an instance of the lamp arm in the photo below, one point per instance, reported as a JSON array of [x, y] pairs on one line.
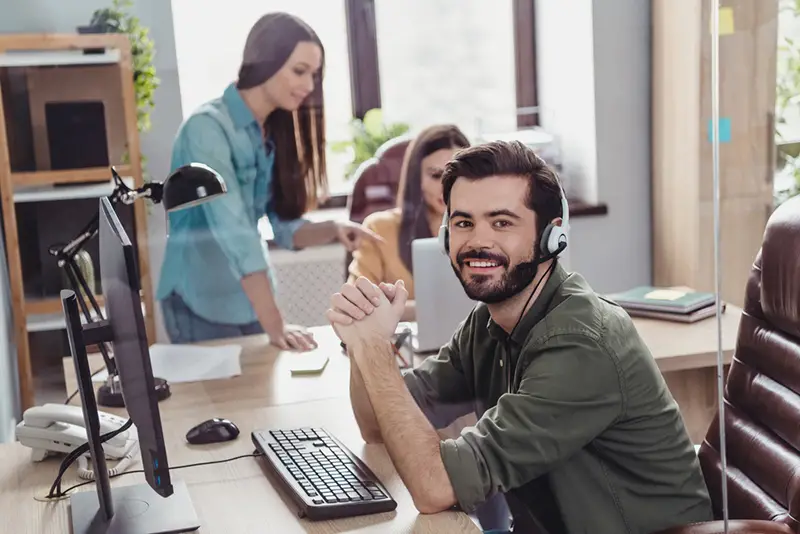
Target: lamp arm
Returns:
[[152, 190]]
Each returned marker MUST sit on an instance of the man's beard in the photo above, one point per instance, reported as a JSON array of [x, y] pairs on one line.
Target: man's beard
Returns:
[[514, 280]]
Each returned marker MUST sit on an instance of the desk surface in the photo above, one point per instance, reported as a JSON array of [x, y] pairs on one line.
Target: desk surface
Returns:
[[230, 497], [266, 379], [685, 353]]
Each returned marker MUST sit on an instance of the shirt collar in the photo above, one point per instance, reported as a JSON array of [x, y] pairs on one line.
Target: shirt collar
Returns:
[[535, 314], [242, 116], [240, 113]]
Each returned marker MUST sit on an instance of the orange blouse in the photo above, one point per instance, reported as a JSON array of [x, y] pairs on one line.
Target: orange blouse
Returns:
[[381, 262]]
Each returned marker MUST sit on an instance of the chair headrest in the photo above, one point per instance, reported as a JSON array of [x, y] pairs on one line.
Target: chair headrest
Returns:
[[780, 268], [394, 148]]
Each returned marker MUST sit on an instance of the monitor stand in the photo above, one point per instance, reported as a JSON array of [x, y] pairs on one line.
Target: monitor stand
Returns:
[[137, 510], [134, 509]]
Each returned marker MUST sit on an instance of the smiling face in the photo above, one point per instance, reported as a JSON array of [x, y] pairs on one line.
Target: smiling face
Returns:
[[431, 168], [492, 237], [295, 80]]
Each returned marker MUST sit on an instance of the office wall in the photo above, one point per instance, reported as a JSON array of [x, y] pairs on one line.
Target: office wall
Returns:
[[593, 60], [65, 16]]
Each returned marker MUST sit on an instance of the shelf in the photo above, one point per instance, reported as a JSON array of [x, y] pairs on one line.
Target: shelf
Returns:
[[66, 192], [95, 174], [47, 306], [46, 322], [50, 58], [54, 319]]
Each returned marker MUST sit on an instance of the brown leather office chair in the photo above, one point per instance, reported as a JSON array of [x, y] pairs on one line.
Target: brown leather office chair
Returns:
[[376, 180], [762, 396]]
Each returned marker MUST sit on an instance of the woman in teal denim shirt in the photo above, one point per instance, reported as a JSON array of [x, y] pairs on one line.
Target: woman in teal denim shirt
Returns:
[[265, 135]]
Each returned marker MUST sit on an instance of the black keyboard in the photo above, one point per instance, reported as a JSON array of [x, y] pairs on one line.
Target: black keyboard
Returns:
[[324, 478]]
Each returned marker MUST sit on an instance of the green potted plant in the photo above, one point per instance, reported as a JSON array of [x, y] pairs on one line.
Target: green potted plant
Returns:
[[368, 134], [119, 19], [788, 102]]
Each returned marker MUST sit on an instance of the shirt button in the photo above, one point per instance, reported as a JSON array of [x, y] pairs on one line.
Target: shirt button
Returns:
[[501, 362]]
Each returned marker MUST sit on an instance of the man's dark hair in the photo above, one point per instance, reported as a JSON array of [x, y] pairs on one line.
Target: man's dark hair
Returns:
[[501, 158]]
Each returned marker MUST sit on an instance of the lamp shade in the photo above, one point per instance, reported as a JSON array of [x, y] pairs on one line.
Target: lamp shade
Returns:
[[190, 185]]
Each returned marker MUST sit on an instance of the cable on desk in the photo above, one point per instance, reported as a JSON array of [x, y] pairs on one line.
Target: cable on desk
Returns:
[[70, 458], [72, 395], [185, 466]]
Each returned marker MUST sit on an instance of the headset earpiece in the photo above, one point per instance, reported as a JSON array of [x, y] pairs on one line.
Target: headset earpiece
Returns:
[[444, 235], [552, 242], [555, 238], [544, 241]]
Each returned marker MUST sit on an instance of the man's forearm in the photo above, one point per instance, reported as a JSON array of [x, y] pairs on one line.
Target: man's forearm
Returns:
[[362, 407], [412, 442], [259, 291], [314, 234]]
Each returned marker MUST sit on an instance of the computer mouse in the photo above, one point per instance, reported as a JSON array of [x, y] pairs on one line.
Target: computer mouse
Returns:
[[212, 431]]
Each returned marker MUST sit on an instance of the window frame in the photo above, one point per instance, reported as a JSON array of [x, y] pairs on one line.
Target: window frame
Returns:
[[365, 83], [363, 50]]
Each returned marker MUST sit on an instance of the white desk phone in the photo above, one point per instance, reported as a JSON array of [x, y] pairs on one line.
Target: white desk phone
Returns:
[[59, 428]]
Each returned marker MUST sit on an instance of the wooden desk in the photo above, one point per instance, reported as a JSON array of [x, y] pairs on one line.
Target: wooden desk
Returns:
[[231, 497], [236, 496]]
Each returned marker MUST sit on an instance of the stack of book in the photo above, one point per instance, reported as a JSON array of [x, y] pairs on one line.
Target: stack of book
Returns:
[[671, 304]]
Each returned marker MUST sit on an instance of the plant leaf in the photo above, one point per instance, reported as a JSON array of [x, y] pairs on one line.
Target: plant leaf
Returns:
[[373, 122]]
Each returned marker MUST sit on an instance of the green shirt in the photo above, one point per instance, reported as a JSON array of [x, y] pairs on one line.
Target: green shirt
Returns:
[[577, 427]]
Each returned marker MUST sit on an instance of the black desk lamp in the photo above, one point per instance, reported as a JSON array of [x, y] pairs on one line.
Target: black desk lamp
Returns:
[[187, 186]]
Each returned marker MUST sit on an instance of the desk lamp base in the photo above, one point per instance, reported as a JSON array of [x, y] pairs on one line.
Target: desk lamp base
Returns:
[[110, 393]]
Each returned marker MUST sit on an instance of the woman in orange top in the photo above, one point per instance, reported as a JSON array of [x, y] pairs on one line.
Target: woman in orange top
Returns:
[[418, 214]]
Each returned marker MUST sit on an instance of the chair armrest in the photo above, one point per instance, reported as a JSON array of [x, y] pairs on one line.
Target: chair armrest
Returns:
[[740, 526]]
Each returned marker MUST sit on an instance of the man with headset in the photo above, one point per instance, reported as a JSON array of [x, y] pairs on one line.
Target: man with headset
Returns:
[[577, 427]]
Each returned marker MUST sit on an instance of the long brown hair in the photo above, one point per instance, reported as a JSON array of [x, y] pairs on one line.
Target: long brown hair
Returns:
[[299, 137], [414, 220]]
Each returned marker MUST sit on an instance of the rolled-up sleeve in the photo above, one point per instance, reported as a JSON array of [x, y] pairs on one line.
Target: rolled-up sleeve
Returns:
[[283, 231], [439, 386], [205, 142], [568, 395]]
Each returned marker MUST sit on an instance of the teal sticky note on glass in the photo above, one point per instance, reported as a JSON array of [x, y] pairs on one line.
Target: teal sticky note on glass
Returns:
[[724, 130]]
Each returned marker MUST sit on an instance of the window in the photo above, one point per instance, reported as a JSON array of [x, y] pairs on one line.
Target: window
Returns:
[[473, 64], [209, 44]]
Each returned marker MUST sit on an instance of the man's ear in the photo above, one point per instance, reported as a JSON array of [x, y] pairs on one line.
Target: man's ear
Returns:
[[557, 221]]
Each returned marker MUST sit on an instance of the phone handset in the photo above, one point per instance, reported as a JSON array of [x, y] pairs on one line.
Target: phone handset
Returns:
[[59, 428]]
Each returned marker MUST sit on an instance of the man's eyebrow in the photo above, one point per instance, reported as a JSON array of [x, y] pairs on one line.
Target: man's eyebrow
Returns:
[[504, 212], [459, 213]]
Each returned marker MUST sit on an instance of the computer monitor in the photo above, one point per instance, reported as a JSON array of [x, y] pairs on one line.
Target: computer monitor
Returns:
[[441, 302], [158, 506]]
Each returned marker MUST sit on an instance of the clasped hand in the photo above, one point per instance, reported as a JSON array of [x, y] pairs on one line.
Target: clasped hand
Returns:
[[363, 312]]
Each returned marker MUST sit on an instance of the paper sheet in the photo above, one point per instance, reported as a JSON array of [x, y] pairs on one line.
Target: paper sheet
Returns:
[[191, 363]]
